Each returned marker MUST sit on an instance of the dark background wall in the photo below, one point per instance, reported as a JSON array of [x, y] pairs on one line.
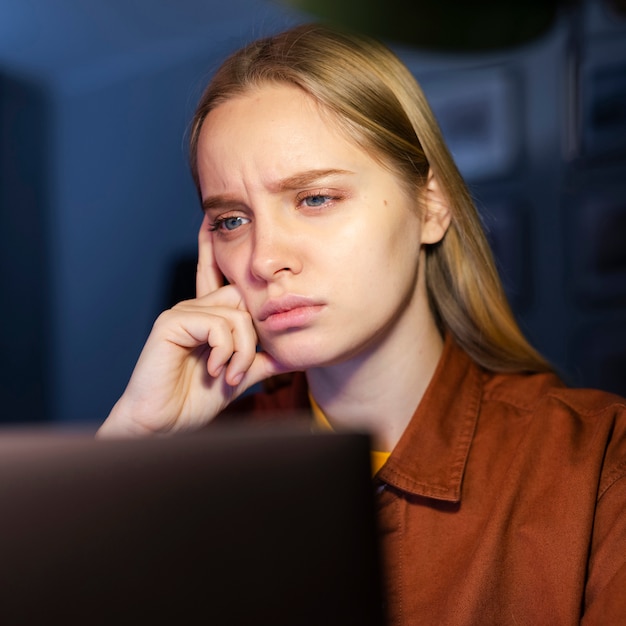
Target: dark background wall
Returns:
[[98, 215]]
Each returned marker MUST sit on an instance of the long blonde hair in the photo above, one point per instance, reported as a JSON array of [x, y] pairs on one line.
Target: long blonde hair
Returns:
[[378, 102]]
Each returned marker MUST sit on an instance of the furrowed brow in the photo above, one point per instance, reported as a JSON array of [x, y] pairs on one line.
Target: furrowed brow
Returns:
[[297, 181], [220, 202], [304, 179]]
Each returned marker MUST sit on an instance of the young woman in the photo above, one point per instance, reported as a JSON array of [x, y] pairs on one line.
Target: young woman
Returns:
[[353, 256]]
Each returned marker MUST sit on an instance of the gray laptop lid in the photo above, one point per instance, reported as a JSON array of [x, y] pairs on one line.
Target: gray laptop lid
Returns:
[[235, 525]]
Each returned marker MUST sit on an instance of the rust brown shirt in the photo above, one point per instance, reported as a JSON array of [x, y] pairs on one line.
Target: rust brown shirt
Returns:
[[504, 502]]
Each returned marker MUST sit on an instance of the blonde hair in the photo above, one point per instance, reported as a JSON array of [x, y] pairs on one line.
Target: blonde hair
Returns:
[[378, 102]]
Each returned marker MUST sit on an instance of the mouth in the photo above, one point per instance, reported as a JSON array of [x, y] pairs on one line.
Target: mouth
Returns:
[[289, 313]]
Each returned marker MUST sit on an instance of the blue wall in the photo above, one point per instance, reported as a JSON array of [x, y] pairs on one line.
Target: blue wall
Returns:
[[97, 209], [96, 202]]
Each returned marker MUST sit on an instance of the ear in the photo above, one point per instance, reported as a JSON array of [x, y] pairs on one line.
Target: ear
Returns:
[[437, 216]]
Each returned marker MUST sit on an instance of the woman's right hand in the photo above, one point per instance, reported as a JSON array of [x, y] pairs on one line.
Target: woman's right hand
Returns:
[[199, 357]]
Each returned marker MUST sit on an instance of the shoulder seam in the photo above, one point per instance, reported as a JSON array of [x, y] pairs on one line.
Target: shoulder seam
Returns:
[[613, 403]]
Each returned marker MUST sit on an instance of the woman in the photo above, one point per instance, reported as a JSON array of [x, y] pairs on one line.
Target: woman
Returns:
[[354, 257]]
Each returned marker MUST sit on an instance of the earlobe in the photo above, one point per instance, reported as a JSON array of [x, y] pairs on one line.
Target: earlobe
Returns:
[[436, 212]]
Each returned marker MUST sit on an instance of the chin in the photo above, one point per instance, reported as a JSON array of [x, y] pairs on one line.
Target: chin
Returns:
[[298, 355]]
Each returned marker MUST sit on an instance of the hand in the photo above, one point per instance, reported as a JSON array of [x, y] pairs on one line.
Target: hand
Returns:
[[199, 357]]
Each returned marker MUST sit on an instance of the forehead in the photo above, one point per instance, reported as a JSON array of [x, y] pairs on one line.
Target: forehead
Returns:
[[267, 109], [275, 127]]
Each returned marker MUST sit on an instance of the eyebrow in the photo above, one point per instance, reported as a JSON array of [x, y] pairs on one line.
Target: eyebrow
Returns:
[[303, 179], [297, 181], [222, 202]]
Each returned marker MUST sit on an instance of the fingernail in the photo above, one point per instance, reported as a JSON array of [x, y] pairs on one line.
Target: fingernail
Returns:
[[236, 379]]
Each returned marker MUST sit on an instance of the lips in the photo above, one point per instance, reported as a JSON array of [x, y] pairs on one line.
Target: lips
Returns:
[[284, 305], [289, 312]]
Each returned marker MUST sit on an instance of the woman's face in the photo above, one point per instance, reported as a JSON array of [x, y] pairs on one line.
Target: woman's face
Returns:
[[320, 239]]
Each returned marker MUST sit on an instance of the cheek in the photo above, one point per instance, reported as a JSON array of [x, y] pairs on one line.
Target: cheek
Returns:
[[406, 236], [227, 264]]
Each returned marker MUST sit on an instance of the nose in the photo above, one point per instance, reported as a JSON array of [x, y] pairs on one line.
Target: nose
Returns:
[[275, 250]]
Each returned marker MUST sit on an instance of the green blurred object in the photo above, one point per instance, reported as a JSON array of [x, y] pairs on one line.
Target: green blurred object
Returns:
[[444, 25]]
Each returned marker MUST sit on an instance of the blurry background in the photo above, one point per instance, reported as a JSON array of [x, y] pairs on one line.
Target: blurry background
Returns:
[[98, 214]]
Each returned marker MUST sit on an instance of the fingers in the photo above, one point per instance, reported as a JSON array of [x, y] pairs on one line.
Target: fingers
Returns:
[[233, 347], [230, 336], [220, 322], [263, 366], [233, 340], [208, 275]]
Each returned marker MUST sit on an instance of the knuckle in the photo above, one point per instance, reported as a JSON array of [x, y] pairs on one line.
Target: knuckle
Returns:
[[164, 319]]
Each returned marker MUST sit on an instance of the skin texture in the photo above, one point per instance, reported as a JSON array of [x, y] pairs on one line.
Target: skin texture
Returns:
[[322, 248]]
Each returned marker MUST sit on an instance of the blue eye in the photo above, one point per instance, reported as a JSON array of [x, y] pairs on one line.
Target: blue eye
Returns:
[[316, 200], [228, 223]]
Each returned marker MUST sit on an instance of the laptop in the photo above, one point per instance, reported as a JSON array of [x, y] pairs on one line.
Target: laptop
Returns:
[[237, 525]]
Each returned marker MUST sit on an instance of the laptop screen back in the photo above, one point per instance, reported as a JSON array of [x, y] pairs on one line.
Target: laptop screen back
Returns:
[[230, 526]]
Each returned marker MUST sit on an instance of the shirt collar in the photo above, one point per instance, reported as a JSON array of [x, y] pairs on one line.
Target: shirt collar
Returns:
[[429, 459]]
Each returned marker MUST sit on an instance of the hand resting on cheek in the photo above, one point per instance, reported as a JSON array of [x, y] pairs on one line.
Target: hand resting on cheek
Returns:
[[199, 357]]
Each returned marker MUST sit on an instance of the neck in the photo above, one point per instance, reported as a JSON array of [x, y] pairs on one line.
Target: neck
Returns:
[[368, 394]]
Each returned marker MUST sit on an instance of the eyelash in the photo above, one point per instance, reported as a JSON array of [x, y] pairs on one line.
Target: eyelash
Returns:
[[217, 223]]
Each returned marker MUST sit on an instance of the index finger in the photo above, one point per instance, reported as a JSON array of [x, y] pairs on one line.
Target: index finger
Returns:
[[208, 275]]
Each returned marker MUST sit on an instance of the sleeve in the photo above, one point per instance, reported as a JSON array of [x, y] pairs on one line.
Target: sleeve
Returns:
[[605, 594]]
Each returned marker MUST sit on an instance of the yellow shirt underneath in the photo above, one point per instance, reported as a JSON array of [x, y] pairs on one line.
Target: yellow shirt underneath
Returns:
[[378, 458]]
